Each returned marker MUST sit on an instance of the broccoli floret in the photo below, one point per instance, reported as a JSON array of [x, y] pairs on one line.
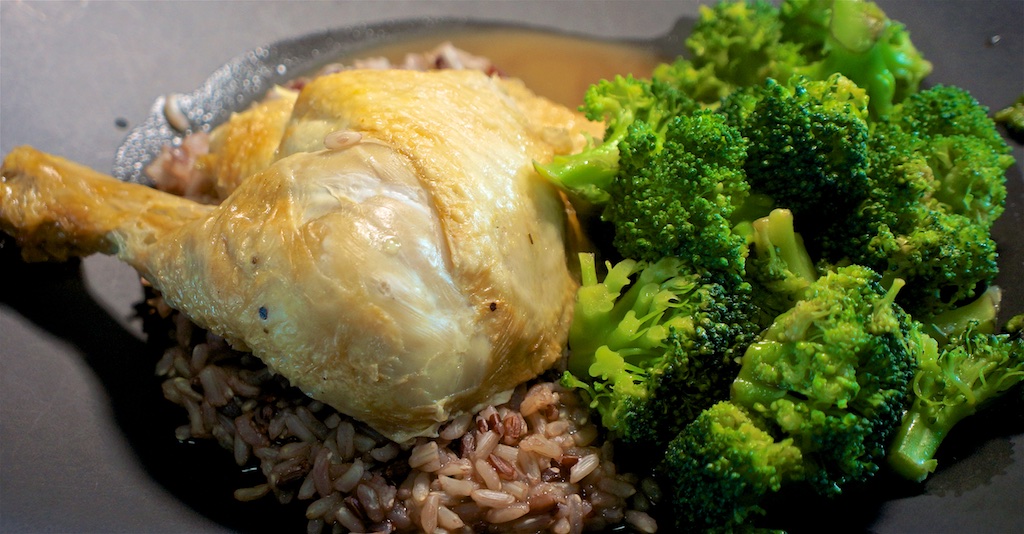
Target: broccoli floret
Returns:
[[945, 258], [826, 384], [937, 184], [962, 148], [733, 44], [946, 110], [857, 39], [969, 176], [833, 373], [952, 383], [724, 461], [778, 265], [620, 103], [1012, 117], [675, 193], [806, 145], [653, 345], [740, 43]]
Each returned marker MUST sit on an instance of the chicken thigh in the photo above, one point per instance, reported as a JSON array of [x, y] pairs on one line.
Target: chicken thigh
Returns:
[[399, 259]]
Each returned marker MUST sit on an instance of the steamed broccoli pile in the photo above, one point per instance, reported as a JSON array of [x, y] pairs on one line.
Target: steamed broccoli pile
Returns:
[[827, 382], [797, 290]]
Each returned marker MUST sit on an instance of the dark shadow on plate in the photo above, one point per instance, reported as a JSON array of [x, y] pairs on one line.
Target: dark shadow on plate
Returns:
[[201, 475]]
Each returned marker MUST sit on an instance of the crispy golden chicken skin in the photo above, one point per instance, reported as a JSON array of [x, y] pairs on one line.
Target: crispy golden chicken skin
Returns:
[[397, 258]]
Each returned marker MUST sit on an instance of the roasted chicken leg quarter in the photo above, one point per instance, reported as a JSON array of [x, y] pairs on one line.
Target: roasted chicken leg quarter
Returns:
[[398, 259]]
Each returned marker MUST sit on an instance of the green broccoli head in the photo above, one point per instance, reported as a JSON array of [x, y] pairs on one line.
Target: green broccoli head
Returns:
[[962, 146], [969, 177], [946, 110], [652, 345], [857, 39], [1012, 118], [619, 102], [742, 43], [806, 144], [833, 373], [936, 170], [676, 191], [952, 383], [945, 258], [720, 465]]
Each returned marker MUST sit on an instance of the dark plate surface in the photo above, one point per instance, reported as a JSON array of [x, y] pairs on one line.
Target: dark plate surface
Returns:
[[86, 442]]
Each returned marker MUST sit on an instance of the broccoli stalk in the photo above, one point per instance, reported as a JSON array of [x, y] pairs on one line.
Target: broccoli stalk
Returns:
[[952, 383], [778, 265], [979, 315]]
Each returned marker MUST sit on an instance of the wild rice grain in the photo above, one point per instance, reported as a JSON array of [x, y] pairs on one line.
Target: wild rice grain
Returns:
[[347, 519], [314, 425], [541, 445], [460, 467], [487, 474], [485, 444], [457, 427], [371, 502], [617, 487], [447, 519], [385, 453], [428, 514], [298, 428], [456, 487], [509, 513], [517, 489], [241, 450], [583, 467], [491, 498], [323, 506], [308, 488], [421, 487], [425, 456], [585, 435], [505, 469], [363, 442], [321, 473], [348, 481], [539, 396], [345, 436], [253, 493]]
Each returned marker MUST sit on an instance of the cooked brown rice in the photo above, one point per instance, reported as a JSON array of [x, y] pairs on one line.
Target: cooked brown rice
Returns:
[[534, 464]]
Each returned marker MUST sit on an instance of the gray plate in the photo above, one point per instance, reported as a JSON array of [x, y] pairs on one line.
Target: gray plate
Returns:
[[87, 442]]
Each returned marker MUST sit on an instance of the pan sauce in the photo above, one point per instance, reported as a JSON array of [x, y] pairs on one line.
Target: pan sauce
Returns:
[[534, 56]]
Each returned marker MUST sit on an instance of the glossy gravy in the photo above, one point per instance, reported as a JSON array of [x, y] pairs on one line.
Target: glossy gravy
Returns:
[[555, 66]]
